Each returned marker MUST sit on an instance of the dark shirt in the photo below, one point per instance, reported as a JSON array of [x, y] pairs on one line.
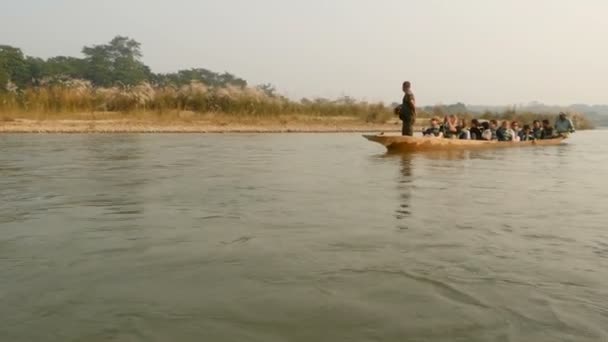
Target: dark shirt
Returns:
[[537, 133], [407, 110], [500, 134], [464, 133], [523, 136], [475, 133], [504, 134], [547, 133]]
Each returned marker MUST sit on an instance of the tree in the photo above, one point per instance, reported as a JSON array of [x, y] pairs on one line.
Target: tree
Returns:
[[118, 62], [65, 66], [229, 79], [13, 67], [4, 78], [36, 67], [115, 63], [270, 90], [204, 76]]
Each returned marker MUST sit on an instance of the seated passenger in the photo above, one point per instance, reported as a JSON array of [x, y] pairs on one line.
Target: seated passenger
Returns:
[[516, 130], [434, 130], [475, 130], [505, 133], [563, 125], [526, 133], [493, 128], [463, 131], [450, 127], [547, 130], [487, 131], [537, 130]]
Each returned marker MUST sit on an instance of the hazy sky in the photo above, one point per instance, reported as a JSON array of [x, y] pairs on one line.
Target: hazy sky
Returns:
[[474, 51]]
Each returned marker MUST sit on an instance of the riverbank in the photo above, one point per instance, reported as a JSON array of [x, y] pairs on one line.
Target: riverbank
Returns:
[[190, 123]]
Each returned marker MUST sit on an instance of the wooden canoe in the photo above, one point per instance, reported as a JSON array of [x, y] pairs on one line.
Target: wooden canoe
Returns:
[[395, 143]]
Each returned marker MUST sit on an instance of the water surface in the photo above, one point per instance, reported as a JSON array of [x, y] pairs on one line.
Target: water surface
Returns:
[[299, 237]]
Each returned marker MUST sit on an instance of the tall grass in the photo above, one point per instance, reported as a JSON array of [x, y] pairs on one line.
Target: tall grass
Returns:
[[81, 97]]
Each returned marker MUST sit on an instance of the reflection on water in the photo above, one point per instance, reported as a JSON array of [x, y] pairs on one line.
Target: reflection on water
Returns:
[[438, 155], [299, 238], [405, 188]]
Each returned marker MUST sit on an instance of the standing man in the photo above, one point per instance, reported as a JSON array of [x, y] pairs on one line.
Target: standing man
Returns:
[[408, 110]]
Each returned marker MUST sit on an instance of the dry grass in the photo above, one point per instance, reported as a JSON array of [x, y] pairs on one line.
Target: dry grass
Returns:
[[56, 101], [77, 106]]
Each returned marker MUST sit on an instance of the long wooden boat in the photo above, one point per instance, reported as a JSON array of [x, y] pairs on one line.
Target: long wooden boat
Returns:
[[395, 143]]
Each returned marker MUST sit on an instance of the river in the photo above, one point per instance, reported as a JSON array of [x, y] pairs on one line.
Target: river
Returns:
[[300, 237]]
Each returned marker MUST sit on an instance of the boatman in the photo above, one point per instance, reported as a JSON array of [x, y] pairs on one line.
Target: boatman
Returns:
[[407, 113], [563, 125]]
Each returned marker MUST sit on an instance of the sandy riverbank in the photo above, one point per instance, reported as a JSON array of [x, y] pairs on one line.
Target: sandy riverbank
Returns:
[[114, 126], [189, 124]]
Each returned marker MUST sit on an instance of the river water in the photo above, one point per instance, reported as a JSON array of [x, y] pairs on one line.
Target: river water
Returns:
[[300, 237]]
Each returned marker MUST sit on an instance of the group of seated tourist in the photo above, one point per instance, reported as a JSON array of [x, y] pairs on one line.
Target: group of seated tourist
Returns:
[[454, 128]]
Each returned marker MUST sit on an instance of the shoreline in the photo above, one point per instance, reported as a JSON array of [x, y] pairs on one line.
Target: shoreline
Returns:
[[56, 126]]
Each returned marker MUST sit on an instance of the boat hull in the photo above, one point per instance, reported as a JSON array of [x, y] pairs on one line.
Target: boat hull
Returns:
[[410, 144]]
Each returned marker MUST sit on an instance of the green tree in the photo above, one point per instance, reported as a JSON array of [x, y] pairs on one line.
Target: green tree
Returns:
[[13, 67], [4, 78], [115, 63], [205, 76], [118, 62], [229, 79], [65, 66], [36, 67]]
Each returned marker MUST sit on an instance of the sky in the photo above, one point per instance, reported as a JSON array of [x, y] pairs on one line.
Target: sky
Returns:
[[486, 52]]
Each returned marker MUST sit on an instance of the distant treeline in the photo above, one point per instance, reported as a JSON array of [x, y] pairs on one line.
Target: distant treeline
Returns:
[[117, 63], [596, 114]]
